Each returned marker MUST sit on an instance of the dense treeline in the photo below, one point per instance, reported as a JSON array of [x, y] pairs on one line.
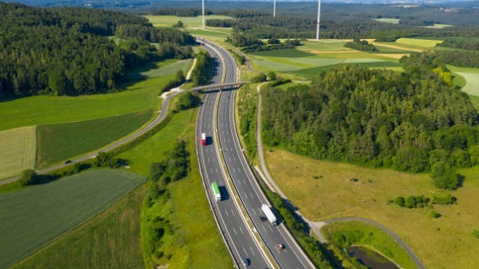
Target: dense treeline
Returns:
[[459, 58], [409, 121], [220, 23], [364, 45], [65, 50], [459, 44], [249, 43], [203, 71], [416, 22], [181, 12], [247, 109]]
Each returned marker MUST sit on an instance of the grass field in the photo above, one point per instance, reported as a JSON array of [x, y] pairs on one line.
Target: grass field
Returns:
[[42, 110], [163, 68], [109, 240], [388, 20], [373, 237], [35, 216], [439, 26], [18, 149], [59, 142], [468, 79], [162, 21], [332, 195], [190, 246], [209, 32]]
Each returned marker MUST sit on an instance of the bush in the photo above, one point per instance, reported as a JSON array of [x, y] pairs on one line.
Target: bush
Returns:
[[475, 233], [272, 75], [434, 215], [188, 100], [259, 78], [448, 199], [399, 201], [444, 177], [28, 177]]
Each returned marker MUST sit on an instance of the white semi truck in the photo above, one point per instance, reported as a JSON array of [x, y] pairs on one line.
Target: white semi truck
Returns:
[[216, 191], [269, 214]]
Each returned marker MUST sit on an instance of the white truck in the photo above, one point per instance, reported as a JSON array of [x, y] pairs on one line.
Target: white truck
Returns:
[[269, 214]]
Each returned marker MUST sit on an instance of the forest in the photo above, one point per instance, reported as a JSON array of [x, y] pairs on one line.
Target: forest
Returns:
[[363, 45], [412, 121], [66, 51], [460, 44]]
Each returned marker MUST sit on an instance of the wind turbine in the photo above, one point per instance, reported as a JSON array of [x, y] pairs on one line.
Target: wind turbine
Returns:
[[203, 7], [317, 26], [274, 9]]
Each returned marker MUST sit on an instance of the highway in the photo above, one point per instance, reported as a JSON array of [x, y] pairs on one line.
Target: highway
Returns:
[[245, 183], [238, 236]]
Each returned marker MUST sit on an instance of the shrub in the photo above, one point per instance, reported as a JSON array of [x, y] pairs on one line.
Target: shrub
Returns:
[[444, 177], [434, 215], [28, 177], [272, 75], [259, 78], [475, 233]]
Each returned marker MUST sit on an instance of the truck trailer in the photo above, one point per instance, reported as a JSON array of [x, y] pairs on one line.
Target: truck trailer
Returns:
[[269, 214], [216, 191], [203, 139]]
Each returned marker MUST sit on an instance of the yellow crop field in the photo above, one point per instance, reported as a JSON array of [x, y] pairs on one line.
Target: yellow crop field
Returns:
[[18, 148]]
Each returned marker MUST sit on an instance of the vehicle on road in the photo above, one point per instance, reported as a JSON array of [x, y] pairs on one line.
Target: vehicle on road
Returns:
[[203, 139], [269, 214], [245, 261], [279, 246], [263, 218], [216, 191], [68, 161]]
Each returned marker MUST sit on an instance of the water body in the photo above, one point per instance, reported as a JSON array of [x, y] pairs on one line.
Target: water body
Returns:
[[371, 259]]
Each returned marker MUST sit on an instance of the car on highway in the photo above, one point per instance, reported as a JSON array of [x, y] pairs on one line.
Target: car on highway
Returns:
[[245, 261], [263, 218], [279, 246], [68, 161]]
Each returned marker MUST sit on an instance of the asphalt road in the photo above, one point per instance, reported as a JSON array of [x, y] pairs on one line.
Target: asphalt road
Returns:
[[245, 183], [236, 232]]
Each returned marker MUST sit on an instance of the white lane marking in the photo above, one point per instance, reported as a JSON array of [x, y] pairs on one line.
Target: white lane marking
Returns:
[[232, 212], [234, 230], [227, 214], [270, 228], [254, 211], [241, 229], [251, 195], [246, 253], [252, 251], [265, 229]]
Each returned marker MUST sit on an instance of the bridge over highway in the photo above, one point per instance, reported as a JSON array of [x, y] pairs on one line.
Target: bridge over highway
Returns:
[[221, 86]]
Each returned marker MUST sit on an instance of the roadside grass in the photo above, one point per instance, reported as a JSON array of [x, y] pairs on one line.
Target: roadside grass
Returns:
[[17, 150], [164, 20], [196, 242], [109, 240], [291, 84], [59, 142], [323, 190], [34, 217], [388, 20], [208, 33], [41, 110], [162, 68], [373, 237]]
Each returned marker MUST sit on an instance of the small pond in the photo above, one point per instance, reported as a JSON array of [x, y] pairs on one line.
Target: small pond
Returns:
[[370, 258]]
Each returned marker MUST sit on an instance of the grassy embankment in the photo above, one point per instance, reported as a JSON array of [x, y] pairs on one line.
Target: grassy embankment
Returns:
[[59, 142], [195, 241], [33, 217], [322, 190], [18, 148]]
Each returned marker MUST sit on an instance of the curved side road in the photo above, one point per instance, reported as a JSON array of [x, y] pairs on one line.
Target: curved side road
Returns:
[[316, 226]]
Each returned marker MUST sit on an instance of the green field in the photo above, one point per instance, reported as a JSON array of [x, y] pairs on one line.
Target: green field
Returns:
[[33, 217], [323, 190], [59, 142], [372, 236], [161, 20], [162, 68], [467, 78], [439, 26], [209, 32], [18, 148], [41, 110], [188, 209], [110, 240], [388, 20]]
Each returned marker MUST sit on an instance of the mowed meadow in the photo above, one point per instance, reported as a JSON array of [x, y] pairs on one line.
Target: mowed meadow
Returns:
[[18, 148], [33, 217], [324, 190]]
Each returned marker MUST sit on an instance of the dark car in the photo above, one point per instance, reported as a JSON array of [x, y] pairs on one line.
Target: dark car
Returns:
[[67, 162], [245, 261], [263, 219]]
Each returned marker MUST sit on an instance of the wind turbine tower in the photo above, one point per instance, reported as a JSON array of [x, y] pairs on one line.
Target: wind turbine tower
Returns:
[[274, 8], [317, 26], [203, 8]]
